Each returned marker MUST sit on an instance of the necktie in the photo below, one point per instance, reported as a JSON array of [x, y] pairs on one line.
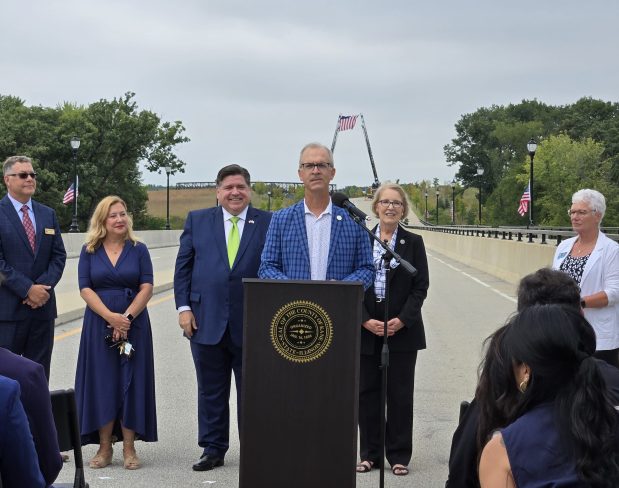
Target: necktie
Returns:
[[28, 227], [234, 241]]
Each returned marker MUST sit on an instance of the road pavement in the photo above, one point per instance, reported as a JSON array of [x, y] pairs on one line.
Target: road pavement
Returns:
[[463, 307]]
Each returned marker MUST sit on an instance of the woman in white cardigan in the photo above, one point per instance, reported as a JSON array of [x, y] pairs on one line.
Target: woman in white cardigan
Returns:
[[592, 259]]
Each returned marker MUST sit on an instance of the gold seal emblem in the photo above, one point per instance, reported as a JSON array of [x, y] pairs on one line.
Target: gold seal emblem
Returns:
[[301, 331]]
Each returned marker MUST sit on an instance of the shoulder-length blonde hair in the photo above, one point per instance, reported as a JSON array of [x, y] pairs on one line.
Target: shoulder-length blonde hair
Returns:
[[97, 231]]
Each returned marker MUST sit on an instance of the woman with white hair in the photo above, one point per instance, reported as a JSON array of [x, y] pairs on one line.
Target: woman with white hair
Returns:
[[592, 259]]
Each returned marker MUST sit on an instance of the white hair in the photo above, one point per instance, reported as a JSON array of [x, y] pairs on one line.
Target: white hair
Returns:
[[593, 198]]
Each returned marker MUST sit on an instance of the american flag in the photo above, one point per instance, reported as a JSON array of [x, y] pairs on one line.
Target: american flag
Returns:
[[68, 196], [523, 208], [347, 122]]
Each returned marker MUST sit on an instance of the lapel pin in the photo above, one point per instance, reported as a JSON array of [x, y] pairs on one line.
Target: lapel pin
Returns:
[[339, 217], [250, 221], [402, 241]]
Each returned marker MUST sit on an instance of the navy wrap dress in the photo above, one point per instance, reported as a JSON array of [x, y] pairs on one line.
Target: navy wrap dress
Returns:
[[109, 386]]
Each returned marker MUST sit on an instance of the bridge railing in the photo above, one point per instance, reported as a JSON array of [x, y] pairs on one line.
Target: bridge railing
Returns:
[[520, 234]]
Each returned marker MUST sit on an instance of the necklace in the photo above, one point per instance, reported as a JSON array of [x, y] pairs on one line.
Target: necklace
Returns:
[[109, 248], [582, 249]]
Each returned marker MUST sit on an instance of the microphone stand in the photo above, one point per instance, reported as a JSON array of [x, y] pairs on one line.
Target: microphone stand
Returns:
[[384, 354]]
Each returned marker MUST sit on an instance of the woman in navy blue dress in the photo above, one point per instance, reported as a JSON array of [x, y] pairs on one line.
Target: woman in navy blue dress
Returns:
[[115, 381]]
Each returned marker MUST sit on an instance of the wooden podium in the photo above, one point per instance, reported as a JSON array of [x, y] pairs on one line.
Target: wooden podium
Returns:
[[300, 388]]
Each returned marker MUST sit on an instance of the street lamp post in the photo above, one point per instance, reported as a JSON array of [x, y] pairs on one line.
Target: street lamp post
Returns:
[[75, 145], [453, 202], [480, 173], [269, 204], [426, 206], [168, 171], [531, 147], [437, 193]]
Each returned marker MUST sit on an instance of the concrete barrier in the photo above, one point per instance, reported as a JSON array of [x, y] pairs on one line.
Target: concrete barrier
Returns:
[[152, 238], [507, 260]]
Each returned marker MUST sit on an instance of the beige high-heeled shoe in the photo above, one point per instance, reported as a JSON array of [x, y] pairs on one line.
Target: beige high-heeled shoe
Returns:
[[131, 459], [101, 459]]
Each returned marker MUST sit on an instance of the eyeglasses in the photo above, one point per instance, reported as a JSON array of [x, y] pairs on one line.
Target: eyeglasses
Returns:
[[580, 213], [395, 203], [311, 166], [23, 176]]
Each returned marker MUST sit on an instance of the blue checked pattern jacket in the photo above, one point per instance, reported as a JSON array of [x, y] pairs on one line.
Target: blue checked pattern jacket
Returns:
[[286, 253]]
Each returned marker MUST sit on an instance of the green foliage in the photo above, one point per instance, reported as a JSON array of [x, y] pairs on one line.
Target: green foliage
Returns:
[[115, 137], [578, 147]]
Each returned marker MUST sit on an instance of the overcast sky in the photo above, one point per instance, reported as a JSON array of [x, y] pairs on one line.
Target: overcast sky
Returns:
[[253, 81]]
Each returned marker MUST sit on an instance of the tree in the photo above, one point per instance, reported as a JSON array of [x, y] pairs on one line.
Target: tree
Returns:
[[115, 138]]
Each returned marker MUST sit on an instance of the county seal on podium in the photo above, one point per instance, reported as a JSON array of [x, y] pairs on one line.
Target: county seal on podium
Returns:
[[301, 331]]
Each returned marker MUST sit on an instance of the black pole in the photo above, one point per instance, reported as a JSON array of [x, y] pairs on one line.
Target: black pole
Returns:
[[480, 200], [532, 155], [426, 217], [384, 366], [437, 207], [74, 227], [453, 205], [167, 220], [269, 206]]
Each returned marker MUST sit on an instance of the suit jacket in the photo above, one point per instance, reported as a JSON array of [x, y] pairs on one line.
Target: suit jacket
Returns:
[[18, 459], [406, 296], [601, 273], [36, 401], [203, 279], [22, 268], [286, 251]]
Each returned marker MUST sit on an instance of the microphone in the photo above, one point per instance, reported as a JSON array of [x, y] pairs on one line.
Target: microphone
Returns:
[[341, 200]]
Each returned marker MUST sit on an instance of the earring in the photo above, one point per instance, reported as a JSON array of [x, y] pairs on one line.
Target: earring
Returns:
[[523, 385]]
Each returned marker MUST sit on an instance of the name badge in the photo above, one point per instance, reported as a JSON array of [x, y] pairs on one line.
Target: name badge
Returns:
[[50, 232]]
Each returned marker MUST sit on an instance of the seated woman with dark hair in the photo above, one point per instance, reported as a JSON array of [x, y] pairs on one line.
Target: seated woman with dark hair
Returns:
[[565, 429]]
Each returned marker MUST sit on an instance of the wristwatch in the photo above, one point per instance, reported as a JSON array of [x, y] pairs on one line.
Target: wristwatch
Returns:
[[130, 317], [583, 304]]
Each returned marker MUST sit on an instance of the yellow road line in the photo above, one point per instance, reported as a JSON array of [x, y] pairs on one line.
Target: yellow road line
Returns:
[[77, 330]]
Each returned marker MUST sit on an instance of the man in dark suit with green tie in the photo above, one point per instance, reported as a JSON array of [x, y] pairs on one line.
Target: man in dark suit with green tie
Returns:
[[218, 248]]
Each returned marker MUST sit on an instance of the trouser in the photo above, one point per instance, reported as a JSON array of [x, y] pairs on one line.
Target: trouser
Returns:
[[400, 387], [214, 366]]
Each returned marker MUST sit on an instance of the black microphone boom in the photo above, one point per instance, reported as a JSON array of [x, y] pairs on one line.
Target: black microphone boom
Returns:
[[341, 200]]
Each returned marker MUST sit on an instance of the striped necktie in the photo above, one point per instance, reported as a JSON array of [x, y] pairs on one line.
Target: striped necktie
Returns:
[[28, 227], [234, 240]]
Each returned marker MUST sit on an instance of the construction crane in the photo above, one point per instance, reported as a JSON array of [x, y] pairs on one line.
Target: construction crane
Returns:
[[345, 122]]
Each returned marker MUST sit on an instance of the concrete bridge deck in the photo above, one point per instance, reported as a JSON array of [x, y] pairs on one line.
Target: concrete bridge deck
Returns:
[[464, 306]]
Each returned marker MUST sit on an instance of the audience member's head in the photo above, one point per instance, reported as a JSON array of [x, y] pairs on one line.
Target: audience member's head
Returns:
[[546, 286]]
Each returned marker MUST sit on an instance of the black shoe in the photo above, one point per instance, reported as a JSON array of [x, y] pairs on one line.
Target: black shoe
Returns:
[[208, 462]]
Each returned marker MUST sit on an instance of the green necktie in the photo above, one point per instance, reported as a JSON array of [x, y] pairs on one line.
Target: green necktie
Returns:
[[234, 241]]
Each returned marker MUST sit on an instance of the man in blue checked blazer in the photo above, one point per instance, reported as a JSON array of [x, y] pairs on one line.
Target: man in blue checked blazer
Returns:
[[313, 239], [218, 248], [32, 265]]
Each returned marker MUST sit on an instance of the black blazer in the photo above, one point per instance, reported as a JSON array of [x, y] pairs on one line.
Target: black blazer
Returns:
[[406, 296]]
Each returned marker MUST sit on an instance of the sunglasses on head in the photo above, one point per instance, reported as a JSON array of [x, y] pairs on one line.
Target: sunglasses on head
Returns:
[[23, 176]]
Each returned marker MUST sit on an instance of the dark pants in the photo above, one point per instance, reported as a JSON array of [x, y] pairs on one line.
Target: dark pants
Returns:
[[214, 366], [611, 356], [33, 339], [400, 387]]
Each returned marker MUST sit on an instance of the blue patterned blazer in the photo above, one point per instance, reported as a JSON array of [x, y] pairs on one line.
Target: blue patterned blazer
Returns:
[[286, 251]]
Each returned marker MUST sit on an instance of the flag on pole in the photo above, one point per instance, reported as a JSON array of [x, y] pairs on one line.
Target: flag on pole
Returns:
[[523, 208], [69, 195], [347, 122]]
